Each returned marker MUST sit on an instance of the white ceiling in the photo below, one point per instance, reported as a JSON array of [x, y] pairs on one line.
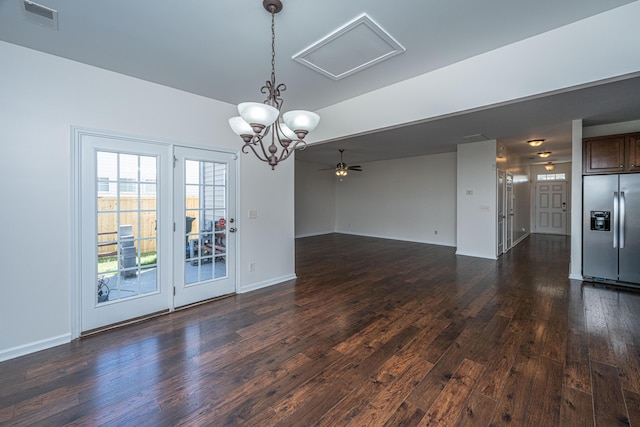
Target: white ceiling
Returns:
[[221, 49]]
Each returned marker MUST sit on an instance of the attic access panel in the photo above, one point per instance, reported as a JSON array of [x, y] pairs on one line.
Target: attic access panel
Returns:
[[355, 46]]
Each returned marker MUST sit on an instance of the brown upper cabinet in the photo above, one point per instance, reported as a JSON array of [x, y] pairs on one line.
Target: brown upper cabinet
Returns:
[[633, 152], [611, 154]]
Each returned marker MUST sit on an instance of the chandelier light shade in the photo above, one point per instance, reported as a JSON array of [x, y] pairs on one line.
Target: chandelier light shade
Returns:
[[535, 142], [544, 154], [549, 166], [258, 121]]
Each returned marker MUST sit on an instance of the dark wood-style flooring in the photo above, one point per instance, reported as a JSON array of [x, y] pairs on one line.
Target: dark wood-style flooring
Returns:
[[373, 332]]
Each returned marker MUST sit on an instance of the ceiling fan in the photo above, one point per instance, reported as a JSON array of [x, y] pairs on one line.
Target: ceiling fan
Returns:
[[342, 168]]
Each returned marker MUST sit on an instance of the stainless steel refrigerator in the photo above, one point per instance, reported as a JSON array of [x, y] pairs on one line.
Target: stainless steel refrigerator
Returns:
[[611, 228]]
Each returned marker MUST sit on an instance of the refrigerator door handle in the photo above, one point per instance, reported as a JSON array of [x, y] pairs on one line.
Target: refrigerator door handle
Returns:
[[622, 215], [615, 220]]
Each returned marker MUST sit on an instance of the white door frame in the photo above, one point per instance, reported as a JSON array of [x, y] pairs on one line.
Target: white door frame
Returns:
[[501, 183], [75, 255]]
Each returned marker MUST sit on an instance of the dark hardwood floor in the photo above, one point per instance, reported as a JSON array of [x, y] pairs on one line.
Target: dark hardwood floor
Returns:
[[373, 332]]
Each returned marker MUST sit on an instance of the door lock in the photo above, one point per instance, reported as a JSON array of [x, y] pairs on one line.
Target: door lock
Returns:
[[232, 230]]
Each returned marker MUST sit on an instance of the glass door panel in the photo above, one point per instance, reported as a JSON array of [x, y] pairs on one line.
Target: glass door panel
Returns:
[[126, 223]]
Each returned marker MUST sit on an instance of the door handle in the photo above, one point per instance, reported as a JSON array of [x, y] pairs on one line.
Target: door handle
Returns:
[[615, 220], [232, 230], [622, 215]]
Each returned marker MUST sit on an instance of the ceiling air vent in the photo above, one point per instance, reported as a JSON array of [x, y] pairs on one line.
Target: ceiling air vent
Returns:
[[40, 14]]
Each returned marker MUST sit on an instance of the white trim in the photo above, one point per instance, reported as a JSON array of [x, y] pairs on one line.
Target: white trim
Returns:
[[520, 239], [380, 236], [266, 283], [314, 234], [75, 254], [24, 349], [476, 255], [576, 276]]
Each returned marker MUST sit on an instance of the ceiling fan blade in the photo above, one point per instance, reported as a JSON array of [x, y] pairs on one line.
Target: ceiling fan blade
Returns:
[[354, 168]]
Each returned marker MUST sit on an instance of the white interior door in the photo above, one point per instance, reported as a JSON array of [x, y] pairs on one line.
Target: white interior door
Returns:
[[551, 207], [204, 208], [124, 229], [509, 212]]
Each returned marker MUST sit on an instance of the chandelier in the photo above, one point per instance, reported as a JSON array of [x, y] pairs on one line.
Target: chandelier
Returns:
[[259, 120]]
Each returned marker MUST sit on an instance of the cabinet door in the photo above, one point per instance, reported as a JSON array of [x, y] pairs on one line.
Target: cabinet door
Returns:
[[633, 152], [604, 155]]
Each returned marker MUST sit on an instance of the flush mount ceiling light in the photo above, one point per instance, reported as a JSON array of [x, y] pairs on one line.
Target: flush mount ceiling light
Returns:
[[258, 120], [549, 166], [544, 154], [535, 142]]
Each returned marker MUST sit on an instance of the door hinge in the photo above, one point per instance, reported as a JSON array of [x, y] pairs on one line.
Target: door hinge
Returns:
[[174, 227], [175, 160], [174, 291]]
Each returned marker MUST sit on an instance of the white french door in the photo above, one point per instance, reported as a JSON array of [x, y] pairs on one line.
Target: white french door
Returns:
[[501, 213], [154, 233], [204, 211], [125, 229]]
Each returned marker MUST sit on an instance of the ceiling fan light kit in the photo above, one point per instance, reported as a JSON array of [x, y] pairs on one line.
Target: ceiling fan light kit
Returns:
[[342, 169], [258, 120]]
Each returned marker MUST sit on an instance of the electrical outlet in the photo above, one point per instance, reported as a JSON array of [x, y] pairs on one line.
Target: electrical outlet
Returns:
[[435, 232], [252, 266]]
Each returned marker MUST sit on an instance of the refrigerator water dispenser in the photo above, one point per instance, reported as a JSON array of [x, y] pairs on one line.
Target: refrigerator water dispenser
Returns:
[[600, 220]]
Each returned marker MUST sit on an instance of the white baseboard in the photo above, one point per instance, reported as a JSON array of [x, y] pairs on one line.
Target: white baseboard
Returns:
[[520, 239], [266, 283], [576, 276], [22, 350], [322, 233], [400, 239], [477, 255]]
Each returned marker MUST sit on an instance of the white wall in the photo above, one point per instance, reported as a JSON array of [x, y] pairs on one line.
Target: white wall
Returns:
[[314, 200], [575, 260], [404, 199], [42, 97], [477, 199], [498, 76]]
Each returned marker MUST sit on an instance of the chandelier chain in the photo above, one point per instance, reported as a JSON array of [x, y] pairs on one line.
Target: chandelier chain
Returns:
[[273, 48]]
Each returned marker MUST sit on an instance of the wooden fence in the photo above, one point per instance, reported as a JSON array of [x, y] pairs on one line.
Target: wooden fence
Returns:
[[142, 223]]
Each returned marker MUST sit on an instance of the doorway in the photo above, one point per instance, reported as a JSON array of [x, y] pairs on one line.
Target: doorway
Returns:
[[551, 207], [501, 212], [137, 256]]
